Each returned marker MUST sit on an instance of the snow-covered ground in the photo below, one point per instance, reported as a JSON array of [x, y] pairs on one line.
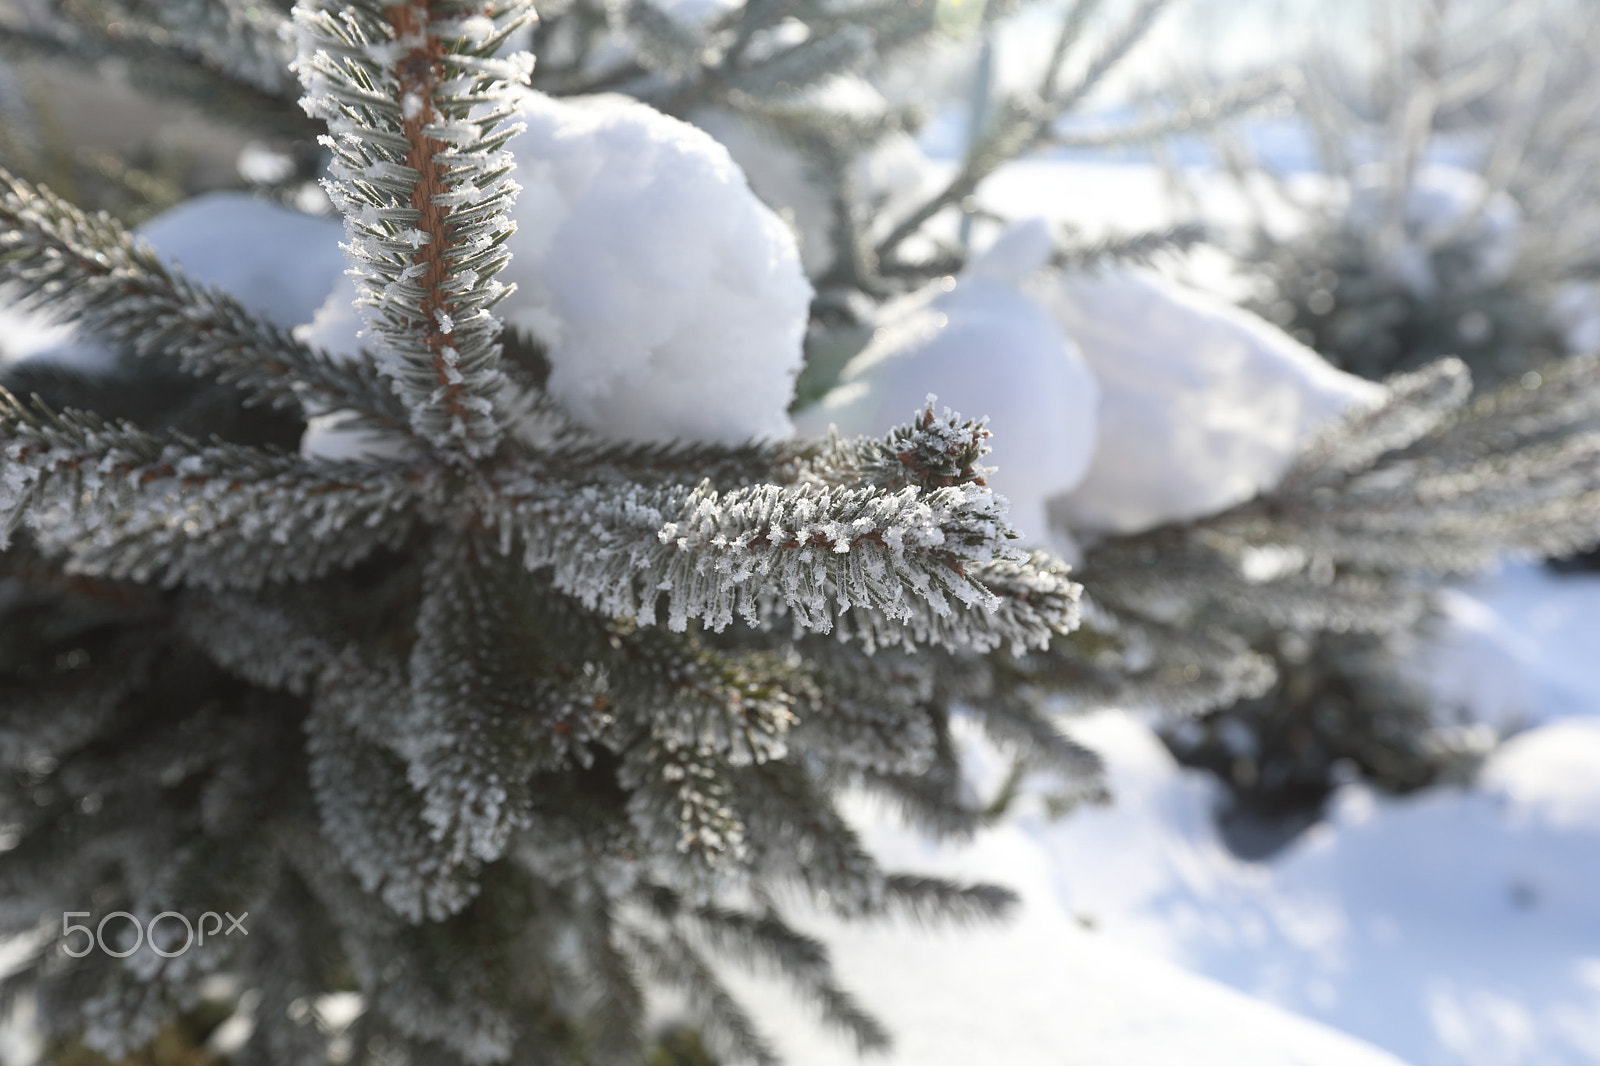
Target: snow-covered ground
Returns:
[[1457, 927], [1040, 991]]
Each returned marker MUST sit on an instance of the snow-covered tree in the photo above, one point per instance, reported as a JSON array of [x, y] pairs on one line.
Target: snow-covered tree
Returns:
[[494, 718], [474, 621], [1446, 214]]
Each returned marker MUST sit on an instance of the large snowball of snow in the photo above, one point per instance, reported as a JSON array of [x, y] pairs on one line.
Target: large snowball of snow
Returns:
[[984, 348], [671, 299], [277, 262], [1443, 204], [1202, 405]]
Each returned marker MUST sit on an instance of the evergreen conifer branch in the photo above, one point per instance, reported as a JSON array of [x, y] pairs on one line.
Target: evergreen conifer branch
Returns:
[[156, 68], [764, 943], [609, 980], [930, 899], [63, 260], [933, 799], [674, 962], [680, 795], [258, 642], [248, 41], [1422, 483], [370, 814], [419, 111], [1564, 399], [1195, 114], [1395, 487], [423, 989], [470, 740], [114, 501], [1129, 249], [826, 54], [869, 714], [678, 67], [1126, 656], [1417, 403], [796, 835], [663, 43], [892, 540], [1023, 123]]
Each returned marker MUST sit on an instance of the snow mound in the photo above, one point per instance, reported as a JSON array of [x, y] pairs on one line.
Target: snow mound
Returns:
[[337, 327], [1051, 987], [1455, 927], [983, 347], [1040, 991], [671, 299], [1551, 775], [1202, 404], [1516, 647]]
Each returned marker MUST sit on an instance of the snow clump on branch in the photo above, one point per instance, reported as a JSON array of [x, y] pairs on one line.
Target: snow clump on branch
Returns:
[[981, 344], [670, 298], [1202, 405]]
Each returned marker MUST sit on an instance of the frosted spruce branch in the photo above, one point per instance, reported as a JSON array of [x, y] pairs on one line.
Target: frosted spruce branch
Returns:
[[153, 63], [763, 942], [1026, 121], [1190, 116], [248, 41], [742, 54], [893, 540], [74, 265], [1429, 503], [419, 111], [114, 501], [1418, 484]]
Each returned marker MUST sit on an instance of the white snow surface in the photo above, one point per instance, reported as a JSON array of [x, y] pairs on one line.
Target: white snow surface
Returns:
[[25, 334], [1456, 927], [671, 298], [277, 262], [337, 327], [1517, 647], [1202, 405], [984, 348], [1038, 990]]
